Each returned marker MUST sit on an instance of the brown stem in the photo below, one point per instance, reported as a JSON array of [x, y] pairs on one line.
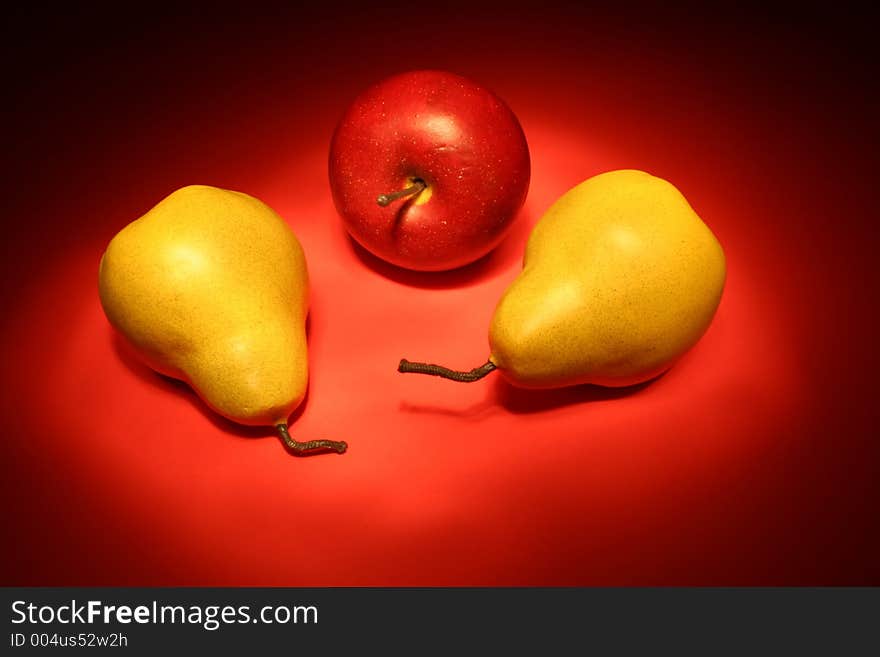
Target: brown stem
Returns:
[[437, 370], [386, 199], [302, 448]]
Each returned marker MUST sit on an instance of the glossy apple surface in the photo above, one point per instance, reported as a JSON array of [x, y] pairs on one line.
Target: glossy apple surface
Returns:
[[441, 130]]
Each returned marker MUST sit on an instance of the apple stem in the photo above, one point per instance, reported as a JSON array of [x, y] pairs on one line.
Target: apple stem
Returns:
[[415, 188], [437, 370], [301, 448]]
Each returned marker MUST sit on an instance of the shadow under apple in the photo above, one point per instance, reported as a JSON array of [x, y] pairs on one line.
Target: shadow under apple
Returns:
[[506, 254]]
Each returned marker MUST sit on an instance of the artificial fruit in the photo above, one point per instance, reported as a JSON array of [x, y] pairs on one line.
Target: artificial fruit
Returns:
[[428, 169], [620, 278], [211, 287]]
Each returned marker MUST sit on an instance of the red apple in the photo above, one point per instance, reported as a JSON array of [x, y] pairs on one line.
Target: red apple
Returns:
[[428, 170]]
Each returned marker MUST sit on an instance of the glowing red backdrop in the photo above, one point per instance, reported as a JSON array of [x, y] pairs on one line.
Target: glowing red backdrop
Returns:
[[753, 461]]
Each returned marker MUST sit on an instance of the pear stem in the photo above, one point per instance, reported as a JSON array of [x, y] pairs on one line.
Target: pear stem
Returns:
[[302, 448], [386, 199], [437, 370]]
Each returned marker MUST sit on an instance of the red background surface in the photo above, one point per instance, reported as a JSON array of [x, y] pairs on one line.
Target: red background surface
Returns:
[[753, 461]]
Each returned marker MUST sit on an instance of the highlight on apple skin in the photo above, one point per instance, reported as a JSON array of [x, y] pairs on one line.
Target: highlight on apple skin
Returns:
[[428, 170]]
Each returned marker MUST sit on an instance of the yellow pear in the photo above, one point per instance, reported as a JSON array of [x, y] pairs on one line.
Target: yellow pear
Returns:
[[620, 278], [211, 287]]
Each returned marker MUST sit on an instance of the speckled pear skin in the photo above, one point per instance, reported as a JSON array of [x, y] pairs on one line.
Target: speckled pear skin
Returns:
[[620, 278], [211, 287]]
